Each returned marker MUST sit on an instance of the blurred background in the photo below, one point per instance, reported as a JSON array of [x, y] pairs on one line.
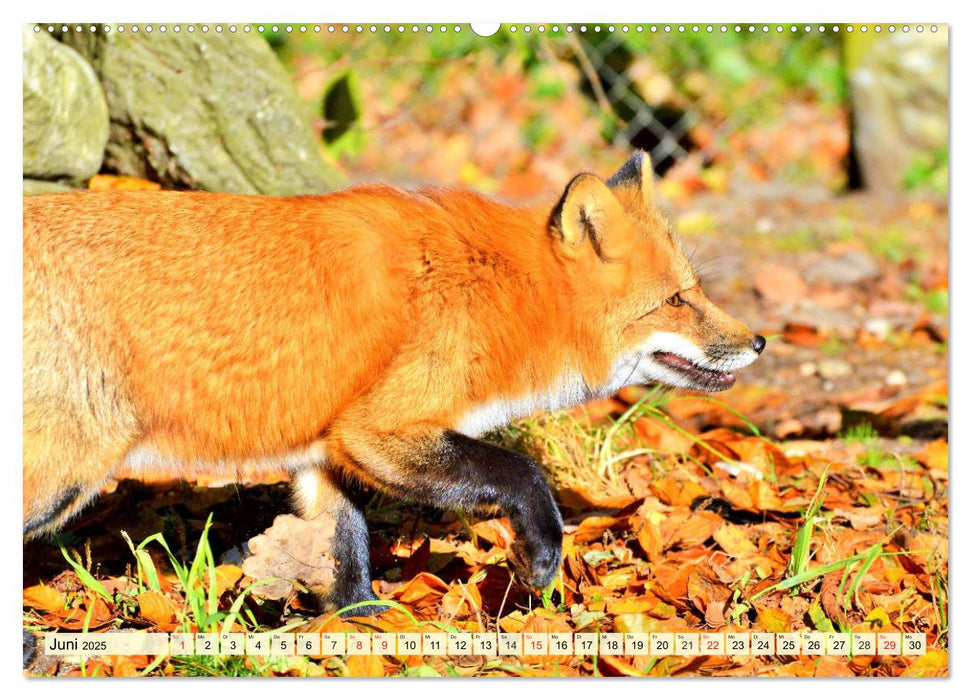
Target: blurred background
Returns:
[[518, 113]]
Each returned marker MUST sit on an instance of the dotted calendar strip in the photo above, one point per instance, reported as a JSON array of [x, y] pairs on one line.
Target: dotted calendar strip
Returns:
[[489, 644], [526, 28]]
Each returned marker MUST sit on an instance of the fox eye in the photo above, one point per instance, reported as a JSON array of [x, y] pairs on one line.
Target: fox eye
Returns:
[[675, 300]]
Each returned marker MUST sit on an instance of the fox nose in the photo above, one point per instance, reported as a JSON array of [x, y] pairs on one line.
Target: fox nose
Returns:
[[758, 344]]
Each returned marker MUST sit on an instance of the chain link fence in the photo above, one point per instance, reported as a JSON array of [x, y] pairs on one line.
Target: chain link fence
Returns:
[[519, 112]]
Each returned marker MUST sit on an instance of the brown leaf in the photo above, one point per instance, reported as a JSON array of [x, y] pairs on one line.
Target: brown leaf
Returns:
[[107, 183], [829, 597], [461, 600], [44, 597], [734, 541], [226, 577], [157, 608], [294, 550], [831, 666], [934, 455], [496, 531], [651, 540], [780, 284], [704, 588], [364, 667]]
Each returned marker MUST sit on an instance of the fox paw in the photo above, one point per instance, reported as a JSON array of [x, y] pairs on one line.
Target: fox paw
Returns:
[[535, 562], [346, 594]]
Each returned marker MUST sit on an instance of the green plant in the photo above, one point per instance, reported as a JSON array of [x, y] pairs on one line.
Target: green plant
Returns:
[[928, 171]]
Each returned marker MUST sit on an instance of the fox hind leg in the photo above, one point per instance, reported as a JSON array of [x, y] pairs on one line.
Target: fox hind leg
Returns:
[[318, 490], [66, 460]]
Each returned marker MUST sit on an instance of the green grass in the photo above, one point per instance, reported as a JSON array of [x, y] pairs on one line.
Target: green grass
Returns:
[[861, 433], [934, 300], [833, 347], [799, 559]]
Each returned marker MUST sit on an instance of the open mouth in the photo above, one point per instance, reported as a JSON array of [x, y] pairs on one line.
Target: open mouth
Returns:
[[701, 377]]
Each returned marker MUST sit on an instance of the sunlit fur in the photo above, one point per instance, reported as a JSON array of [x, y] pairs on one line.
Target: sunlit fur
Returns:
[[193, 330]]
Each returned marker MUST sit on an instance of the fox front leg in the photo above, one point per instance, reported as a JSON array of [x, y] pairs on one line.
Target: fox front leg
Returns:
[[448, 470]]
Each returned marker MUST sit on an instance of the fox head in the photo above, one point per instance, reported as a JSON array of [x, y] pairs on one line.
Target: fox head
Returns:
[[636, 291]]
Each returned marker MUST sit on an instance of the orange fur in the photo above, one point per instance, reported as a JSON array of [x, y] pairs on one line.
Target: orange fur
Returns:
[[199, 328]]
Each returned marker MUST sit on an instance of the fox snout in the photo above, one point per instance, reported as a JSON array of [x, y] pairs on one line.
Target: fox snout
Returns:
[[697, 345]]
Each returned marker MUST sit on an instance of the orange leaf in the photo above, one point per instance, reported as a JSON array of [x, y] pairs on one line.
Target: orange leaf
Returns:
[[157, 608], [107, 183], [122, 666], [592, 529], [365, 667], [44, 597], [734, 541], [422, 586], [226, 577], [830, 666], [934, 455], [497, 531], [650, 539], [932, 663], [461, 600]]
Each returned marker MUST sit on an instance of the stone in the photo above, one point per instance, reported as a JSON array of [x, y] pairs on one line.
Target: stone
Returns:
[[896, 378], [808, 369], [851, 267], [208, 111], [899, 94], [65, 112], [834, 369], [32, 187]]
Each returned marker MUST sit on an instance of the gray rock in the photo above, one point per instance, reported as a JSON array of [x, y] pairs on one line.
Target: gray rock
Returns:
[[32, 187], [849, 268], [210, 111], [899, 90], [834, 369], [65, 113]]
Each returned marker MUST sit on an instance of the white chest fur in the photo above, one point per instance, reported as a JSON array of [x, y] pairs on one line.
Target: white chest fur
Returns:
[[570, 389]]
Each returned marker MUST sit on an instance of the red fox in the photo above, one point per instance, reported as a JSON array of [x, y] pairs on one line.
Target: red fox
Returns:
[[365, 336]]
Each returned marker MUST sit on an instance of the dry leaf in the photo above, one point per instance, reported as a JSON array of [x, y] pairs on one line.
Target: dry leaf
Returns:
[[44, 597], [107, 183], [293, 549], [157, 608], [734, 541]]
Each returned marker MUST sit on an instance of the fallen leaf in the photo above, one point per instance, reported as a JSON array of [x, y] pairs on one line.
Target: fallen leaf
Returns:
[[126, 183], [292, 550], [831, 666], [44, 597], [932, 663], [734, 541], [157, 608]]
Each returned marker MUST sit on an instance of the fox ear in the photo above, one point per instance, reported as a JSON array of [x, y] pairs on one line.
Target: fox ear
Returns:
[[636, 173], [587, 209]]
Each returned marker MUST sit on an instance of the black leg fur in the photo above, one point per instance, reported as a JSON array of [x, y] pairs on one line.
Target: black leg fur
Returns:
[[453, 471], [352, 552]]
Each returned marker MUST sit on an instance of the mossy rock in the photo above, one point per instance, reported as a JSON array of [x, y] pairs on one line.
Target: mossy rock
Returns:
[[210, 111], [65, 113]]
